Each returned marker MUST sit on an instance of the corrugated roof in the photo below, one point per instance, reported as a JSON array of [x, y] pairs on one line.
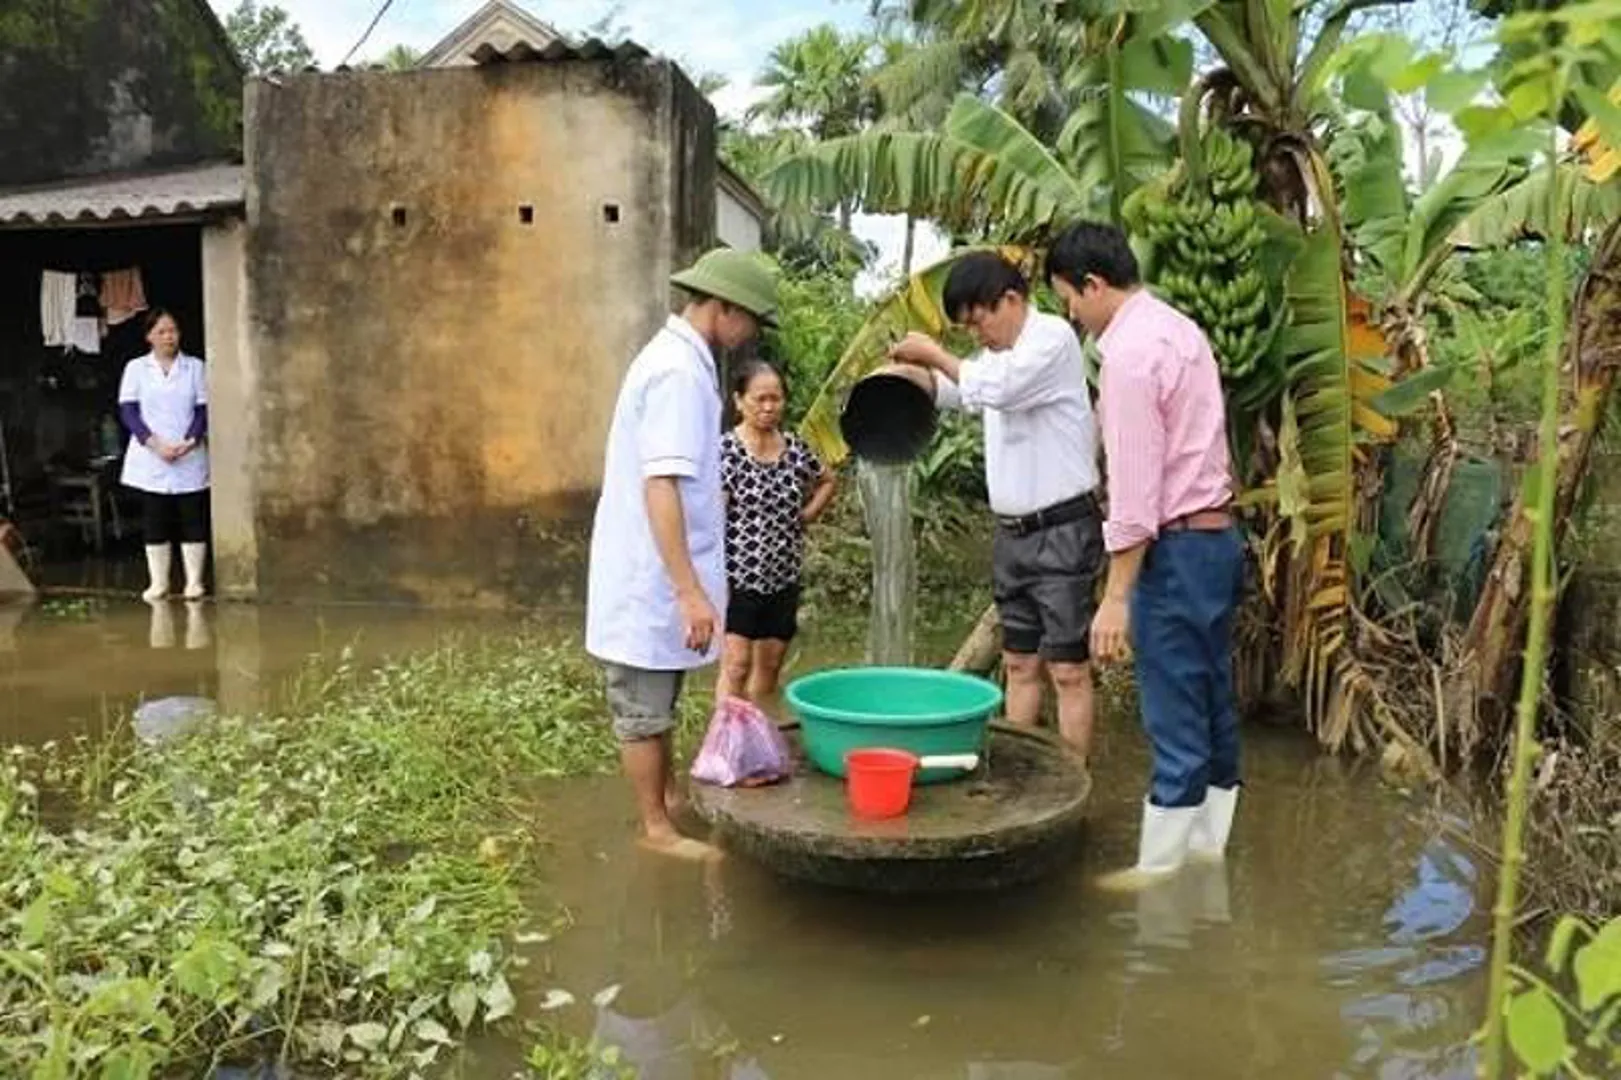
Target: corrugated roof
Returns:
[[589, 49], [172, 193]]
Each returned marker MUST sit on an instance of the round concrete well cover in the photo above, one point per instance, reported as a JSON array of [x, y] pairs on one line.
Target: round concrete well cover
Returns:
[[1015, 819]]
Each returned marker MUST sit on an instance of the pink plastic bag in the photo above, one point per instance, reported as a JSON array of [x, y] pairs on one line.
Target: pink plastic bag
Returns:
[[741, 748]]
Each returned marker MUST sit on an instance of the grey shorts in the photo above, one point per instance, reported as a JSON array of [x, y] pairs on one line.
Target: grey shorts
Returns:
[[1045, 583], [641, 703]]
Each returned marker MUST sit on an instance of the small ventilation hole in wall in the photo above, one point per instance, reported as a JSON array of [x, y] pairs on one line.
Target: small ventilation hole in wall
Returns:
[[526, 214], [610, 213], [399, 217]]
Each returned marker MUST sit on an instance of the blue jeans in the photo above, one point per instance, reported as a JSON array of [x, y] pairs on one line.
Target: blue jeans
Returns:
[[1182, 637]]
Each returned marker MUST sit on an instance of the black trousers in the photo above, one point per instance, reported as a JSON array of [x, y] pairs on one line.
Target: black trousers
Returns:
[[175, 519]]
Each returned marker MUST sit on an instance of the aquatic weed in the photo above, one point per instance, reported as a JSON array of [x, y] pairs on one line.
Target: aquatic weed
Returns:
[[334, 889], [556, 1055]]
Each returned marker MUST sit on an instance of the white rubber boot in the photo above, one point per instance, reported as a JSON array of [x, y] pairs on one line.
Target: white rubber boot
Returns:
[[159, 561], [195, 556], [1161, 848], [1214, 825]]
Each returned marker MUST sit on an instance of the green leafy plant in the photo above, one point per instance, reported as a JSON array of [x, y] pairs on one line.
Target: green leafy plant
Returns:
[[330, 888], [559, 1056], [1575, 1033]]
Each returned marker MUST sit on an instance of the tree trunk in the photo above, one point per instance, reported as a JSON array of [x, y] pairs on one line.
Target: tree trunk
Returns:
[[1404, 329], [1430, 499], [980, 649], [1592, 356], [909, 246]]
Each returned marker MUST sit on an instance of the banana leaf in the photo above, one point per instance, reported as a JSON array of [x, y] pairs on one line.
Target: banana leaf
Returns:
[[1482, 173], [1112, 143], [1521, 211], [981, 164], [1375, 207], [1410, 239], [916, 305], [1331, 354]]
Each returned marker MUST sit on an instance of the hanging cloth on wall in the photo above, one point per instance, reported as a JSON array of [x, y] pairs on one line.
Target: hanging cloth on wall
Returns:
[[86, 336], [58, 293], [87, 296], [123, 295]]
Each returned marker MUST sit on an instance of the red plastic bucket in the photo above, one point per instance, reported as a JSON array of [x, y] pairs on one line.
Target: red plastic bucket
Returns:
[[879, 782]]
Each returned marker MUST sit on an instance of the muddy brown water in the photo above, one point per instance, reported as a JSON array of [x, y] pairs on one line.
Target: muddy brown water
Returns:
[[1343, 938]]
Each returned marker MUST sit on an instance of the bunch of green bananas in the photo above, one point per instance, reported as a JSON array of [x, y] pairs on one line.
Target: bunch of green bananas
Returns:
[[1205, 244]]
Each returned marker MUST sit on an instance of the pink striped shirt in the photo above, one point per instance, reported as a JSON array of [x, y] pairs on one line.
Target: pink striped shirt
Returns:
[[1164, 421]]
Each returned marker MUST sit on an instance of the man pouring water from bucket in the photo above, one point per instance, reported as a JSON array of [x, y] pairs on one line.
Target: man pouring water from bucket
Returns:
[[1040, 472], [1175, 555]]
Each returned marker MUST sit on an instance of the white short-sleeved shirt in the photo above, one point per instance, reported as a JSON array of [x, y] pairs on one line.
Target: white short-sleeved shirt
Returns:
[[167, 403], [665, 423]]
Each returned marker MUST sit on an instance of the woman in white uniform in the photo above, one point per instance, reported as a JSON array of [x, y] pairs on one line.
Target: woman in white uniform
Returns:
[[163, 400]]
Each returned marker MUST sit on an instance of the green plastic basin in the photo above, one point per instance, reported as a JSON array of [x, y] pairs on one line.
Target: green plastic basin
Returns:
[[921, 710]]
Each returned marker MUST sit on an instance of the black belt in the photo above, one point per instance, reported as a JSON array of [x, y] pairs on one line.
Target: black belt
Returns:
[[1060, 513]]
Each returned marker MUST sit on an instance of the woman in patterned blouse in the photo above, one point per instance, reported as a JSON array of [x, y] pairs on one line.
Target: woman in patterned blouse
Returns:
[[774, 486]]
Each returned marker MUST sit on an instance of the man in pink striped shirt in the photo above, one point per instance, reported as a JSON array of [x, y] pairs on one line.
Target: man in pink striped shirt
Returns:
[[1175, 555]]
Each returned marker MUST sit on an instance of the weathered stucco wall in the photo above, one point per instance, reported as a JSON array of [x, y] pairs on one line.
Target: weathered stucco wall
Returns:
[[443, 310], [232, 390], [100, 86]]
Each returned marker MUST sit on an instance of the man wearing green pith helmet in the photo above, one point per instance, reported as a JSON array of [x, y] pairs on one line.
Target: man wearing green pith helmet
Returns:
[[658, 545]]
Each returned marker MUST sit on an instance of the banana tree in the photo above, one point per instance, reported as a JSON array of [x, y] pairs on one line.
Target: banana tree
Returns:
[[1271, 87], [983, 172], [982, 167], [1270, 90], [1592, 356], [1404, 242]]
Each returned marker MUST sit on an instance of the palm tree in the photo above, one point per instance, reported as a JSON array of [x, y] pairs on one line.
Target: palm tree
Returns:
[[1019, 53], [401, 58], [819, 86]]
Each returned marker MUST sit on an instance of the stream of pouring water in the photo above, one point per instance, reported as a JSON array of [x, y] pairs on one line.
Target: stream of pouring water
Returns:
[[886, 501]]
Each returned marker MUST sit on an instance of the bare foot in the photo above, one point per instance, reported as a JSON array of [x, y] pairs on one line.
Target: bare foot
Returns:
[[676, 846]]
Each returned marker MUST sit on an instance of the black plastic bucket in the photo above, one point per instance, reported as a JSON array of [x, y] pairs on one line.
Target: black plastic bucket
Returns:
[[887, 419]]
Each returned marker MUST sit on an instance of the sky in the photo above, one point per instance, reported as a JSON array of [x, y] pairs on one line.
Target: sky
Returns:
[[732, 38]]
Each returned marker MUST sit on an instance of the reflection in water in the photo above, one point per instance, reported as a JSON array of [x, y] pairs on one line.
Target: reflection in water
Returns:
[[1338, 940], [199, 634], [78, 668]]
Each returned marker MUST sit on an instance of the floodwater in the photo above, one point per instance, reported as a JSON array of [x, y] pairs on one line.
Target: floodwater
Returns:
[[1342, 939]]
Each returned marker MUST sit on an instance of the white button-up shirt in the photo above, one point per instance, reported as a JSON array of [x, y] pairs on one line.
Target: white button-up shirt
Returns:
[[665, 423], [167, 403], [1041, 439]]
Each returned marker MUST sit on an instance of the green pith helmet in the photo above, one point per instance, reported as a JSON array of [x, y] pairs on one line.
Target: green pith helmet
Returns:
[[736, 277]]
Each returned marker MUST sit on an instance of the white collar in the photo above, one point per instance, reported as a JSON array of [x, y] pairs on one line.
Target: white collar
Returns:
[[684, 330]]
